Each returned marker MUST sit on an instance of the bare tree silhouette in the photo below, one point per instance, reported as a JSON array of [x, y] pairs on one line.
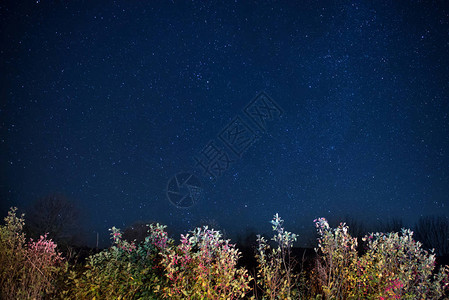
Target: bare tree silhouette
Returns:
[[392, 225], [356, 228], [433, 232], [56, 215]]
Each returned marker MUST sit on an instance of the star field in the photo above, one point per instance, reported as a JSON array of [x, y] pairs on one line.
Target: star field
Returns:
[[105, 101]]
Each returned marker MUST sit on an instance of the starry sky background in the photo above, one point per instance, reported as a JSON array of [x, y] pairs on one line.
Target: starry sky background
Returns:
[[105, 101]]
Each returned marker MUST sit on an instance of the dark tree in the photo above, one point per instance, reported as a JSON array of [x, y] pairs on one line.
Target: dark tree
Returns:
[[138, 231], [357, 228], [392, 225], [433, 232], [248, 238], [56, 215]]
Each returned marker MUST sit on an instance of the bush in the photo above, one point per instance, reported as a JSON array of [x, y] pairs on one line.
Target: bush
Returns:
[[203, 266], [12, 254], [125, 270], [27, 270], [393, 267], [337, 256], [403, 269], [275, 266]]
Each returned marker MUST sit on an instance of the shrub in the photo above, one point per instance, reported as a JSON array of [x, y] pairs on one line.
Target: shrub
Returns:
[[12, 254], [337, 256], [403, 269], [393, 267], [275, 266], [125, 270], [203, 266], [42, 266], [27, 270]]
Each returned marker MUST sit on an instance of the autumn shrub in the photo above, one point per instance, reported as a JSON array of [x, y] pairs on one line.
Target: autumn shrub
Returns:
[[12, 254], [275, 275], [337, 256], [124, 271], [394, 266], [42, 267], [203, 266], [27, 270]]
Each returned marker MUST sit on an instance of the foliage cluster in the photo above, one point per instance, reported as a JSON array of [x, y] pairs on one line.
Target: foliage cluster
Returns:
[[124, 271], [275, 265], [203, 266], [394, 266], [28, 270]]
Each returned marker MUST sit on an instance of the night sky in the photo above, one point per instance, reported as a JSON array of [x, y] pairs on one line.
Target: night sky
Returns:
[[106, 101]]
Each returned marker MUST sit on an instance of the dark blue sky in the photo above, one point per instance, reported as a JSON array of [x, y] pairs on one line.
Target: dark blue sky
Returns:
[[105, 101]]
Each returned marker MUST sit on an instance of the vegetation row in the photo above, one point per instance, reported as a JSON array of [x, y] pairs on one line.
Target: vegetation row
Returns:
[[204, 265]]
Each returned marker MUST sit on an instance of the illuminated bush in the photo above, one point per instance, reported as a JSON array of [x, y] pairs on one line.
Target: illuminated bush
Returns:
[[393, 267], [12, 254], [203, 266], [338, 254], [27, 270], [403, 269], [275, 266], [125, 270]]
